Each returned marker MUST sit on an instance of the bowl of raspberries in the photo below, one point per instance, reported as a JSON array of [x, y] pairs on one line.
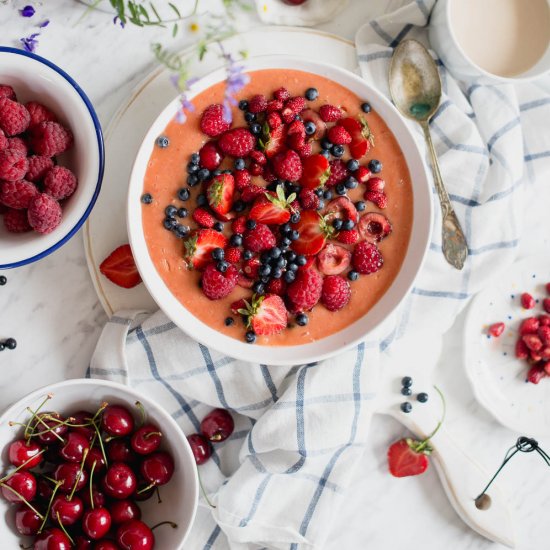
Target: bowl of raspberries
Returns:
[[51, 157]]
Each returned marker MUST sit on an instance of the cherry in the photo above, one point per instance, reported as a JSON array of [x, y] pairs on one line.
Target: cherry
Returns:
[[135, 535], [27, 522], [144, 491], [21, 482], [119, 481], [70, 475], [54, 426], [52, 539], [200, 447], [21, 451], [96, 523], [146, 440], [69, 511], [95, 455], [119, 450], [117, 420], [44, 489], [217, 425], [83, 417], [124, 510], [82, 542], [294, 2], [106, 545], [98, 497], [157, 468], [75, 446]]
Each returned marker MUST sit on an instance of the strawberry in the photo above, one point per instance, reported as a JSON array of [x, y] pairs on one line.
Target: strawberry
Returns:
[[248, 194], [338, 172], [338, 135], [215, 284], [532, 341], [529, 326], [496, 329], [220, 192], [282, 94], [258, 157], [238, 304], [296, 135], [330, 113], [408, 457], [363, 175], [315, 172], [292, 107], [239, 225], [288, 165], [212, 121], [313, 231], [273, 106], [546, 305], [378, 198], [348, 236], [522, 351], [210, 156], [237, 142], [273, 120], [336, 292], [272, 209], [343, 209], [242, 179], [260, 238], [366, 258], [333, 259], [266, 315], [375, 183], [272, 141], [120, 268], [361, 137], [199, 246], [305, 291], [535, 374], [257, 104], [527, 301], [233, 254], [203, 218]]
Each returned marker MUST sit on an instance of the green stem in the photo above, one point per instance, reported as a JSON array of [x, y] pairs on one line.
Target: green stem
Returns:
[[23, 499], [91, 478], [425, 441], [7, 476], [34, 413], [203, 491], [79, 475], [57, 485], [63, 528]]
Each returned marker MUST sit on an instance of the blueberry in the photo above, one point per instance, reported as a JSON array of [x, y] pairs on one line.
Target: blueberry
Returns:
[[352, 165], [301, 260], [312, 94], [351, 183], [340, 189], [325, 153], [310, 128], [218, 254], [326, 144], [292, 267], [327, 195], [183, 194], [229, 321], [203, 174], [289, 276], [218, 226], [365, 107], [360, 206], [182, 212], [3, 280], [280, 262], [297, 117], [321, 205], [248, 254], [275, 252], [265, 258], [181, 231], [406, 391], [222, 266], [146, 198], [239, 164], [216, 173], [250, 224], [407, 381], [353, 275], [243, 105], [277, 273], [162, 142], [256, 128], [236, 239], [192, 168], [192, 180], [302, 319], [422, 397], [285, 229], [295, 218], [348, 224], [375, 166], [265, 279], [170, 211], [318, 192], [294, 235], [265, 270], [285, 242], [195, 158], [291, 256], [250, 337], [239, 206], [258, 287], [337, 150], [337, 224], [10, 343], [201, 199], [406, 407], [169, 223]]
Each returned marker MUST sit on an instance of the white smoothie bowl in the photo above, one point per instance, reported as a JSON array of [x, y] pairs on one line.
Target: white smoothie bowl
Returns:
[[352, 334], [179, 496], [37, 79]]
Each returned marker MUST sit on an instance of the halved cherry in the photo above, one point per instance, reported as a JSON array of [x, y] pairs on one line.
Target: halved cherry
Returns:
[[341, 208], [315, 172], [374, 227], [333, 259], [313, 231]]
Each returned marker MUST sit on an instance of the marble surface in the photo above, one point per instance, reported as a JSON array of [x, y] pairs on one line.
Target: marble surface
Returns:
[[52, 310]]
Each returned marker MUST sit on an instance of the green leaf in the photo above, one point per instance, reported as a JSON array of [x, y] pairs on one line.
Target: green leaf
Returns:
[[176, 11], [154, 10], [174, 30]]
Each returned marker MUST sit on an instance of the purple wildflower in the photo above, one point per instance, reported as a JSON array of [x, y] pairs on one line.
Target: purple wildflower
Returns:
[[30, 42], [44, 23], [116, 20], [27, 11], [236, 80], [185, 104]]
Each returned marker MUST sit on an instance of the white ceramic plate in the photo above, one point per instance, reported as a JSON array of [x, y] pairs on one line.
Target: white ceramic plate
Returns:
[[497, 377], [331, 344]]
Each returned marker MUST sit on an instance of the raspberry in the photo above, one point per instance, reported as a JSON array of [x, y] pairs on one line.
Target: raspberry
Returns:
[[60, 183], [7, 91], [215, 284], [527, 301], [277, 286], [274, 105], [14, 118], [16, 221], [260, 238], [366, 258], [288, 166], [348, 236], [239, 225], [18, 194], [17, 144], [338, 172], [292, 107], [50, 139], [305, 150], [242, 179], [274, 120], [309, 200], [3, 140], [336, 292], [268, 174], [379, 198], [212, 122], [38, 168], [282, 94], [255, 169], [258, 157], [522, 351], [237, 142], [248, 194], [210, 156], [13, 165], [44, 213], [233, 254], [330, 113], [257, 104], [203, 218], [304, 292], [338, 135], [39, 113], [544, 320]]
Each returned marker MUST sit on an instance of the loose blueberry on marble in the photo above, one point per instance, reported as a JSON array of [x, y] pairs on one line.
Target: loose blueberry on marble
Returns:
[[406, 407], [3, 280], [407, 381], [422, 397]]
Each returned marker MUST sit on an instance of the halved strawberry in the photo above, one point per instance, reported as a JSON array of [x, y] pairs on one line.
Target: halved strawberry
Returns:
[[271, 141], [272, 208], [315, 171], [408, 457], [266, 315], [220, 192], [199, 246], [313, 231], [120, 268], [361, 137]]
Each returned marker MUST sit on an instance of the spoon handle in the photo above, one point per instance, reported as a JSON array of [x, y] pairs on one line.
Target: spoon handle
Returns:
[[455, 248]]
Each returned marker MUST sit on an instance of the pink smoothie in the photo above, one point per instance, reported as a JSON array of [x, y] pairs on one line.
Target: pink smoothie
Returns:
[[166, 173]]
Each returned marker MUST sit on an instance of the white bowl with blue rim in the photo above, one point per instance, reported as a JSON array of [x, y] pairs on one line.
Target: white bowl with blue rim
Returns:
[[35, 78]]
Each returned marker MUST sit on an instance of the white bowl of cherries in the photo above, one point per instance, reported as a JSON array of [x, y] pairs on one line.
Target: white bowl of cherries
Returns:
[[91, 463]]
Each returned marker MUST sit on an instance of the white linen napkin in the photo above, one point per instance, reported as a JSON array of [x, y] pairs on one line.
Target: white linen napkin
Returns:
[[312, 12], [278, 481]]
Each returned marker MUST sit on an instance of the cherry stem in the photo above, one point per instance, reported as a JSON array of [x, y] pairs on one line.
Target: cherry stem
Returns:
[[34, 413], [142, 413], [159, 500], [7, 476], [202, 489], [145, 489], [48, 428], [424, 442], [91, 477], [63, 528], [171, 523], [57, 485], [23, 499], [101, 446], [102, 407], [79, 475]]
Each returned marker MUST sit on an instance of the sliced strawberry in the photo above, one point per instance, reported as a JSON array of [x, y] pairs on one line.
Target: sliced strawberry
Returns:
[[313, 231], [405, 458], [361, 136], [199, 246], [271, 141], [266, 315], [272, 208], [220, 192], [120, 268], [315, 172], [342, 208]]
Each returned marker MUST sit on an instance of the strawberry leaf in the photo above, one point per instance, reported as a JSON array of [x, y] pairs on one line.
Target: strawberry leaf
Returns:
[[366, 131]]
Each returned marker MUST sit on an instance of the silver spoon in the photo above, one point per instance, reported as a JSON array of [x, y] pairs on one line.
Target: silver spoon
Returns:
[[415, 88]]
